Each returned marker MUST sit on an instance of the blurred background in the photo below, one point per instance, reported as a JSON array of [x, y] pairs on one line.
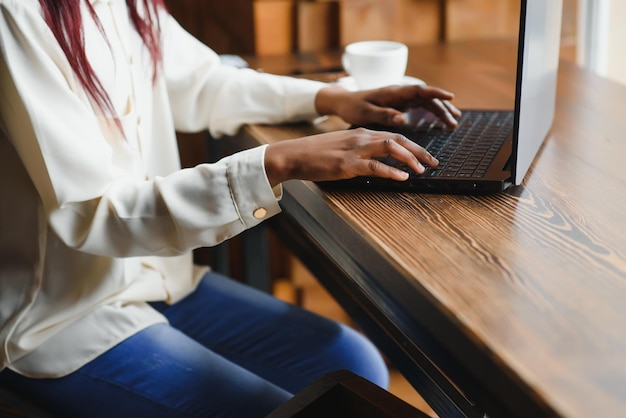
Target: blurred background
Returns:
[[592, 33]]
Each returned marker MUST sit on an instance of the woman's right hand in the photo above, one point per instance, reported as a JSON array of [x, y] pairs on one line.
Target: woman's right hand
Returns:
[[343, 154]]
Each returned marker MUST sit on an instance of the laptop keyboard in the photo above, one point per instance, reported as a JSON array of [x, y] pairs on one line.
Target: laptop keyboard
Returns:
[[468, 150]]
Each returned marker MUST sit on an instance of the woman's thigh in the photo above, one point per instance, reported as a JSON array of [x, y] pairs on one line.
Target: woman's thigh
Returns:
[[158, 372], [229, 351], [278, 341]]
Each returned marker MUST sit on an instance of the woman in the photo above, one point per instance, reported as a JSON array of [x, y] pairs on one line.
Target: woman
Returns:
[[101, 311]]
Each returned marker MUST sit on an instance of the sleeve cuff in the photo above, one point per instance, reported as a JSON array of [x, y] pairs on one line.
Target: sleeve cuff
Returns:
[[252, 194]]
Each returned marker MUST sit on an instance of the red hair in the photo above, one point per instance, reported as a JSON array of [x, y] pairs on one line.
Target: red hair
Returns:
[[65, 21]]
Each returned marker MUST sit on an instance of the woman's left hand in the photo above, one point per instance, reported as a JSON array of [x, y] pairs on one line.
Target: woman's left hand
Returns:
[[386, 105]]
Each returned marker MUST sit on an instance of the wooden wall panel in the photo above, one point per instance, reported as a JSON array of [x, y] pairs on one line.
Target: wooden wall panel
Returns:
[[409, 21], [273, 27], [226, 26], [420, 21], [238, 26], [476, 19], [269, 27], [367, 19], [317, 25]]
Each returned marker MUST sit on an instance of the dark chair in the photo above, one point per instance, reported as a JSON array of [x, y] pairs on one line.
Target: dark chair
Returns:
[[13, 405], [344, 394]]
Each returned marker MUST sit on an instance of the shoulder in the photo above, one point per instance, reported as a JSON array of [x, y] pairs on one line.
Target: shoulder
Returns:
[[21, 13], [23, 21], [21, 6]]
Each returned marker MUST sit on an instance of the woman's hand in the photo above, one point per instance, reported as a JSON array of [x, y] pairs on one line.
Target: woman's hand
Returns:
[[357, 152], [385, 106], [343, 154]]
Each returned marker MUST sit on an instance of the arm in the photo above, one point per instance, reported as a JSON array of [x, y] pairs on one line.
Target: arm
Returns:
[[205, 94], [231, 98]]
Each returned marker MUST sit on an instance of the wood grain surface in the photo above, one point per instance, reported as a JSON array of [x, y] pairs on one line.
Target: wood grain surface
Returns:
[[534, 277]]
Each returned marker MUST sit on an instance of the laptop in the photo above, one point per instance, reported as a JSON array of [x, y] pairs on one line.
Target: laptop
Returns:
[[491, 149]]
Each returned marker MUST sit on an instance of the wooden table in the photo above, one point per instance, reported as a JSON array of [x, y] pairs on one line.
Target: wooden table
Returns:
[[513, 304]]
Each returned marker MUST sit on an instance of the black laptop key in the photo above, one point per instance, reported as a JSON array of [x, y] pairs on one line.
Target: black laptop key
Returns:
[[467, 151]]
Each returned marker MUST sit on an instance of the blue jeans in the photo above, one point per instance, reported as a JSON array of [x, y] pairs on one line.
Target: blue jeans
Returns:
[[228, 351]]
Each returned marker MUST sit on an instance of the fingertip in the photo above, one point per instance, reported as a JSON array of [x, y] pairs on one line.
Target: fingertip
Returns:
[[455, 111], [397, 119], [403, 176], [419, 168]]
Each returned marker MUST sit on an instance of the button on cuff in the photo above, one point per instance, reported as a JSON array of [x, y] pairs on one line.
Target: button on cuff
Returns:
[[260, 213]]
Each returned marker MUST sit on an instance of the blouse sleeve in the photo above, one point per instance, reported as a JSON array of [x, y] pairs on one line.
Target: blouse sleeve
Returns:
[[205, 94]]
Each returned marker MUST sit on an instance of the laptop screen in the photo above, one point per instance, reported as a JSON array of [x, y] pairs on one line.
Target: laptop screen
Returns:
[[538, 60]]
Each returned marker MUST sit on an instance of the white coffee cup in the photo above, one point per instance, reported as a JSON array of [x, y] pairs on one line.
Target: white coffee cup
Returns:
[[375, 64]]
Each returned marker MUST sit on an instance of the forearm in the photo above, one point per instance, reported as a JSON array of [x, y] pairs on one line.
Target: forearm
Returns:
[[199, 206]]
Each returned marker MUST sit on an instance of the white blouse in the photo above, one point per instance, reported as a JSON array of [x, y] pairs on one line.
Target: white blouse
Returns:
[[93, 224]]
